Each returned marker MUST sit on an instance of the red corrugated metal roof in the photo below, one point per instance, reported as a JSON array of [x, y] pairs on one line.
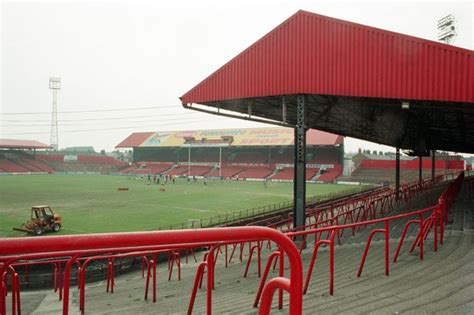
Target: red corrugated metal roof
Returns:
[[134, 140], [22, 144], [314, 54], [243, 137]]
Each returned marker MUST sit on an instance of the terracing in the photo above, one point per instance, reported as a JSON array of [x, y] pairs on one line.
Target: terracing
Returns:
[[442, 282], [379, 176]]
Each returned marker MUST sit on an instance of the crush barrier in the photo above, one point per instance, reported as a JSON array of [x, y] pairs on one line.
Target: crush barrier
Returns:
[[80, 246], [385, 199], [432, 218]]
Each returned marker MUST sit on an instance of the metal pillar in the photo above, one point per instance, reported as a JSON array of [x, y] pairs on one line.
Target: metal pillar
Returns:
[[54, 123], [420, 170], [299, 183], [189, 160], [433, 160], [55, 86], [220, 162], [397, 172]]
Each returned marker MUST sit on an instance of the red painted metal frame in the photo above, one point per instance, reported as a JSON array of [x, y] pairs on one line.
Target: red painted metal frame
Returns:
[[174, 258], [359, 209], [363, 209], [437, 218], [15, 288], [12, 250]]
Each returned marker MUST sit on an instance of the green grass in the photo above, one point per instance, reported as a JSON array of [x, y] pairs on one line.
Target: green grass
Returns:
[[92, 204]]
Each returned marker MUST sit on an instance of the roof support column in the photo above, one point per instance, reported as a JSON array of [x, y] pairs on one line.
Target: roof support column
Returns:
[[189, 160], [397, 172], [299, 183], [420, 169], [433, 160]]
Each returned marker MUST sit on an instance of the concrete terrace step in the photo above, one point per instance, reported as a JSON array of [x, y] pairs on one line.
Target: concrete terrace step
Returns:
[[376, 292]]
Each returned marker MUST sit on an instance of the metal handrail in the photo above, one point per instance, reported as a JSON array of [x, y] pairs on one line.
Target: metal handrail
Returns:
[[12, 250], [438, 218]]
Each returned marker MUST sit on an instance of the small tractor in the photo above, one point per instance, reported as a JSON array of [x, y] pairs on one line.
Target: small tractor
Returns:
[[42, 219]]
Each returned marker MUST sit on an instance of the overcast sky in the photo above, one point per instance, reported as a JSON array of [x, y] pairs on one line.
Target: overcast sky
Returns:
[[135, 54]]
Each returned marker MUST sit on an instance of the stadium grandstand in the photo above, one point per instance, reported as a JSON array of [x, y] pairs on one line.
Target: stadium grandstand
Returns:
[[255, 153], [379, 167], [21, 156], [30, 156]]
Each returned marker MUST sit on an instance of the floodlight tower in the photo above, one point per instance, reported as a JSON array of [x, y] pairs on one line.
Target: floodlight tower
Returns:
[[447, 29], [55, 86], [447, 32]]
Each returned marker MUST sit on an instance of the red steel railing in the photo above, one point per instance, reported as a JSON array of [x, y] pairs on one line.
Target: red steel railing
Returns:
[[77, 246], [436, 219]]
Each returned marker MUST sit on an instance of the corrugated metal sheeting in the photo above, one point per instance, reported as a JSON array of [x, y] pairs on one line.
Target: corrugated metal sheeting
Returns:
[[251, 137], [315, 54], [134, 140]]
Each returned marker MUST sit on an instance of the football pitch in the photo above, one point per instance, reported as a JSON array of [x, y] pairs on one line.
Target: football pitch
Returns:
[[92, 203]]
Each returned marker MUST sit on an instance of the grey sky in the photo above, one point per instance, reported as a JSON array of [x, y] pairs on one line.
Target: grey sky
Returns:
[[148, 53]]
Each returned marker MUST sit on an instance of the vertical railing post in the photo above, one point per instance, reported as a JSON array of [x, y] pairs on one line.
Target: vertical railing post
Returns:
[[387, 247], [210, 282], [433, 160], [67, 281], [281, 273], [422, 235], [331, 263], [397, 173]]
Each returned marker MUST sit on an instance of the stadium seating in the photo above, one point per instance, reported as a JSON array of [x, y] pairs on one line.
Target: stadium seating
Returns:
[[228, 171], [127, 169], [142, 171], [179, 170], [98, 160], [197, 170], [37, 165], [256, 172], [21, 162], [154, 167], [84, 163], [330, 175], [311, 172], [8, 166], [31, 168], [379, 176], [51, 157], [287, 173]]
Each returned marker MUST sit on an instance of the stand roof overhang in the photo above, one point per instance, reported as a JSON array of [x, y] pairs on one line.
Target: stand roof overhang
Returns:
[[355, 79], [22, 144]]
